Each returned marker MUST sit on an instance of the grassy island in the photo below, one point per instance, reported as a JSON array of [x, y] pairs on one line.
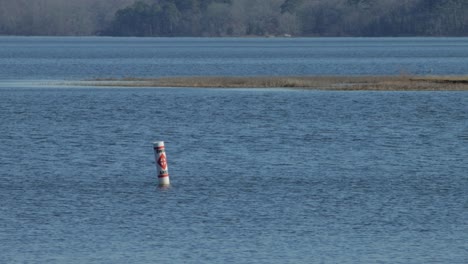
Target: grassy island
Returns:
[[340, 83]]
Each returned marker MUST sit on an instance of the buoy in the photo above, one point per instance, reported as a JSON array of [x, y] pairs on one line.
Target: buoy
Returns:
[[161, 163]]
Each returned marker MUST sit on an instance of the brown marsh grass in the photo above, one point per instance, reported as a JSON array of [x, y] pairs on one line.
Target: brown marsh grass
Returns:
[[384, 83]]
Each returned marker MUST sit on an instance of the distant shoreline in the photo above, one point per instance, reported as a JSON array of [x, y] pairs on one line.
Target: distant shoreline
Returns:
[[334, 83]]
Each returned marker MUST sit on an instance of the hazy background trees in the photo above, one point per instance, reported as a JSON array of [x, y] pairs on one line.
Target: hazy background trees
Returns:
[[57, 17], [235, 17]]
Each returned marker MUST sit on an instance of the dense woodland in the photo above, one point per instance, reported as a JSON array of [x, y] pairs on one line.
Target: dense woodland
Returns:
[[235, 17]]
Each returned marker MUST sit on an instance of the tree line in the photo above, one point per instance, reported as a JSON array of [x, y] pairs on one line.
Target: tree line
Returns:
[[57, 17], [235, 17]]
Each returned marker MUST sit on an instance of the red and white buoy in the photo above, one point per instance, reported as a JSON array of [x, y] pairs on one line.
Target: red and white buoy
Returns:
[[161, 163]]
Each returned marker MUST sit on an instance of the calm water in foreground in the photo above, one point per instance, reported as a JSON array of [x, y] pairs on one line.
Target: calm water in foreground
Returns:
[[259, 176]]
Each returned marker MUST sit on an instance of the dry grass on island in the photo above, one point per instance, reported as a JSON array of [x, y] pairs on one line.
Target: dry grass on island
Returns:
[[339, 83]]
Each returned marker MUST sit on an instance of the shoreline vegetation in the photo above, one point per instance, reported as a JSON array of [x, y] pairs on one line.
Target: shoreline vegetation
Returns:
[[333, 83], [235, 18]]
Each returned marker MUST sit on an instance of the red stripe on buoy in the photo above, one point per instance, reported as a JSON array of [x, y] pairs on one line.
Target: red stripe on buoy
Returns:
[[161, 163]]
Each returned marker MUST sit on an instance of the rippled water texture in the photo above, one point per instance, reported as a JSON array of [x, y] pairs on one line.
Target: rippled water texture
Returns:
[[258, 176], [48, 58]]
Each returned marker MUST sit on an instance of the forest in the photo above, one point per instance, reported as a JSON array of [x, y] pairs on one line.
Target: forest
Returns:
[[220, 18]]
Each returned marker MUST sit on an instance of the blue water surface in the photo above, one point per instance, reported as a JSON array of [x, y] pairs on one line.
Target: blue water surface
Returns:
[[77, 58], [258, 176]]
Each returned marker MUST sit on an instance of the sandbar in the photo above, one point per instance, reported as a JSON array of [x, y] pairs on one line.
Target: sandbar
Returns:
[[338, 83]]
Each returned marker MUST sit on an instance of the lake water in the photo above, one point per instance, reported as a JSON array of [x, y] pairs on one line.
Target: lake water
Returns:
[[36, 58], [258, 176]]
